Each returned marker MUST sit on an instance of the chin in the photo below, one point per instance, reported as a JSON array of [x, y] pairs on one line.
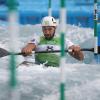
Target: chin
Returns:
[[48, 38]]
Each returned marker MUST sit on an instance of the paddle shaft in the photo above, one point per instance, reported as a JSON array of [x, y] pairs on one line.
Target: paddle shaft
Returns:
[[4, 52], [57, 51]]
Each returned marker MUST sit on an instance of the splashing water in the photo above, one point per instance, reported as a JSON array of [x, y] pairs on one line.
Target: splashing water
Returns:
[[41, 83]]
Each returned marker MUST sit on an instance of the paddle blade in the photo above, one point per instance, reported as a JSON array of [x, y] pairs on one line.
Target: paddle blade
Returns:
[[3, 52]]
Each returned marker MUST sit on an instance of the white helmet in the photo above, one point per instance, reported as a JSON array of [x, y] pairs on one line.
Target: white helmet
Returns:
[[49, 21]]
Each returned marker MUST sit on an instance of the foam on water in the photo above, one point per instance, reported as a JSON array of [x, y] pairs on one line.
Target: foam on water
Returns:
[[37, 82]]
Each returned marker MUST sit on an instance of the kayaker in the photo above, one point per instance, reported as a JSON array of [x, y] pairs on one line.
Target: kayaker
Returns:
[[50, 41]]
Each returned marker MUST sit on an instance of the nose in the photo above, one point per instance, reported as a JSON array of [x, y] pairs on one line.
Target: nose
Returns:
[[47, 32]]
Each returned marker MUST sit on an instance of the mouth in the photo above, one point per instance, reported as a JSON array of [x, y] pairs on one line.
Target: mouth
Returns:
[[47, 35]]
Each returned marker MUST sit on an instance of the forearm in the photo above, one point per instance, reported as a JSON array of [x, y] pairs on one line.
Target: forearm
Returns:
[[76, 52], [27, 50], [31, 46], [78, 56]]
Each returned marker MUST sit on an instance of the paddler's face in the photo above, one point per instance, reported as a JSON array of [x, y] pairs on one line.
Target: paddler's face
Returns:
[[49, 31]]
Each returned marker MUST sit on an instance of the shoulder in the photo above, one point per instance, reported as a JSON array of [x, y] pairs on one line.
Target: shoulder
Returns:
[[35, 40], [68, 42]]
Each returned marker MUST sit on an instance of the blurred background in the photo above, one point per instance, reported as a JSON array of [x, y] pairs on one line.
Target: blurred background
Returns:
[[31, 11]]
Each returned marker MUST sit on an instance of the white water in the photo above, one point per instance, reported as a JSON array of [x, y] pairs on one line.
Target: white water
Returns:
[[41, 83]]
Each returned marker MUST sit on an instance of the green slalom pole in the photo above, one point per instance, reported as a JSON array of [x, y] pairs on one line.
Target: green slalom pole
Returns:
[[12, 7], [98, 32], [62, 61], [95, 31], [49, 8], [13, 31]]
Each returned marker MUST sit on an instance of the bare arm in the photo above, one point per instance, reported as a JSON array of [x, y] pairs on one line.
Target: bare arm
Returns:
[[27, 50], [76, 52]]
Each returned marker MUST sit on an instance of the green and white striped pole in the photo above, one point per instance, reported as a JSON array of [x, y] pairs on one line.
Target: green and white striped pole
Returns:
[[13, 32], [95, 31], [49, 9], [62, 61], [98, 34]]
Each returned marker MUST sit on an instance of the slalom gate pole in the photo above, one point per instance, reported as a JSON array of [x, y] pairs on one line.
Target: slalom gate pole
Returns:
[[49, 8], [96, 34], [62, 61], [13, 31]]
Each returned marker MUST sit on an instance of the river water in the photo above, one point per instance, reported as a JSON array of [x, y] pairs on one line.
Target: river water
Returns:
[[36, 82]]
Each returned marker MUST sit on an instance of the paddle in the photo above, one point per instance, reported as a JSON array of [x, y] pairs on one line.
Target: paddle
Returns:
[[4, 52]]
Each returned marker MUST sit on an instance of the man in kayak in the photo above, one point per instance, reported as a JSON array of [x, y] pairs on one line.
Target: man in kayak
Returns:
[[49, 42]]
